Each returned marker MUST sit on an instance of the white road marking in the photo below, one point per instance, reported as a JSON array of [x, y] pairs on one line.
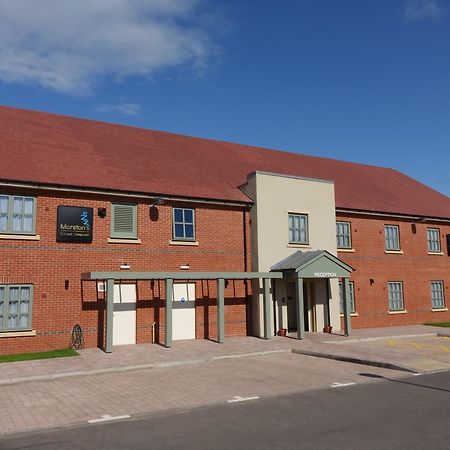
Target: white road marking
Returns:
[[238, 398], [336, 384], [107, 417]]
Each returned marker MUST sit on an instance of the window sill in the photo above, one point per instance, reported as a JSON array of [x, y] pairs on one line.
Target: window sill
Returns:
[[123, 241], [439, 309], [394, 252], [192, 243], [403, 311], [346, 250], [21, 237], [436, 253], [298, 245], [9, 334], [353, 314]]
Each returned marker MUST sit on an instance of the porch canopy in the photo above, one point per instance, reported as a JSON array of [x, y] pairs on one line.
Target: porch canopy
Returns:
[[170, 277], [315, 264]]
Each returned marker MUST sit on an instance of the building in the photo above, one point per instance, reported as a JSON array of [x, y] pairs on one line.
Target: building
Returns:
[[81, 200]]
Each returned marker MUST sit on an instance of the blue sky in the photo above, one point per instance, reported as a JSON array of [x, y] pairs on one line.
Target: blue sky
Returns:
[[364, 81]]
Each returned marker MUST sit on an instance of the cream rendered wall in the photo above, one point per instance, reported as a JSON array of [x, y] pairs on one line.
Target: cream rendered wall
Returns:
[[275, 196]]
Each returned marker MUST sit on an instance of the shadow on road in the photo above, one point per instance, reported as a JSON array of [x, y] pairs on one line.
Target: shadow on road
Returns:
[[373, 375]]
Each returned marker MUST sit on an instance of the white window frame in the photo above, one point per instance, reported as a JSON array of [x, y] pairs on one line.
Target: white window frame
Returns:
[[183, 223], [4, 327], [396, 295], [343, 232], [352, 297], [10, 215], [292, 229], [434, 298], [433, 240], [392, 240]]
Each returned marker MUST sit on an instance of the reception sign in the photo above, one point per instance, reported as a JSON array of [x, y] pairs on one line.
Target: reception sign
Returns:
[[74, 224]]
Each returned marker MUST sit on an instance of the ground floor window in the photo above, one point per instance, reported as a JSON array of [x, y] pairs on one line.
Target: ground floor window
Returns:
[[15, 307], [437, 295], [395, 293], [352, 297]]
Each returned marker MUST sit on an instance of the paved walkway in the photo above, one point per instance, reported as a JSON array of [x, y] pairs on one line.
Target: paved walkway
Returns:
[[359, 347]]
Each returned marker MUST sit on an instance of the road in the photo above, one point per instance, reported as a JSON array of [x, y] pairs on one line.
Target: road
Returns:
[[401, 413]]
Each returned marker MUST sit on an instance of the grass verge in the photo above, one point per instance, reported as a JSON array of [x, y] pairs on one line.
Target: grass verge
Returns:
[[439, 324], [62, 353]]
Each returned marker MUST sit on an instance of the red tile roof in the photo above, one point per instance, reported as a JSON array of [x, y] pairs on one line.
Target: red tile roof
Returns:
[[46, 148]]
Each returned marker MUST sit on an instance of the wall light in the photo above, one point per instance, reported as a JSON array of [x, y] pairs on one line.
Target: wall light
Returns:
[[101, 212]]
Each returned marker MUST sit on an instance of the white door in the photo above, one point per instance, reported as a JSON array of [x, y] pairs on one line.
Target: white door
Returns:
[[183, 311], [124, 321]]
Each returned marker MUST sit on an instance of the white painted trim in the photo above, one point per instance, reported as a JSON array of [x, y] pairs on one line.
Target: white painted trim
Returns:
[[353, 314], [21, 237], [361, 212], [242, 204], [9, 334], [123, 241], [403, 311], [191, 243], [394, 252], [436, 253], [346, 250], [298, 246], [439, 309]]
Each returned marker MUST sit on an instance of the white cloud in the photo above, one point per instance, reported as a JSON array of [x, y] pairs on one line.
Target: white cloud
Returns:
[[423, 10], [129, 109], [69, 45]]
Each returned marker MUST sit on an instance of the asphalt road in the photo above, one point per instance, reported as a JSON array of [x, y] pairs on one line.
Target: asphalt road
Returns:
[[407, 413]]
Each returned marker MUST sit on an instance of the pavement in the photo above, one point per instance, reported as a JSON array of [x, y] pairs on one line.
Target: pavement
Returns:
[[408, 413], [138, 379], [368, 346]]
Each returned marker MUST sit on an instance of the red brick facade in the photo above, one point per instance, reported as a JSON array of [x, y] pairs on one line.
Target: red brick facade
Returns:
[[415, 267], [61, 300]]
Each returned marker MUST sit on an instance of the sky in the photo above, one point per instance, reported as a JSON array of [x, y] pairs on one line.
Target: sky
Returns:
[[359, 80]]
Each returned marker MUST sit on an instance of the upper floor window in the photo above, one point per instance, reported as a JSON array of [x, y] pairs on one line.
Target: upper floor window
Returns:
[[298, 229], [392, 237], [434, 241], [17, 214], [124, 220], [351, 295], [395, 294], [343, 235], [184, 224], [15, 307], [437, 295]]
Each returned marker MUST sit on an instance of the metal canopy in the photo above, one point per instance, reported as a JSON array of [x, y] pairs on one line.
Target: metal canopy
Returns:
[[169, 278], [314, 264], [179, 275]]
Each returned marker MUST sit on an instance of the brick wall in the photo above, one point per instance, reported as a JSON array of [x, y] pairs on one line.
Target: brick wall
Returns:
[[61, 300], [414, 267]]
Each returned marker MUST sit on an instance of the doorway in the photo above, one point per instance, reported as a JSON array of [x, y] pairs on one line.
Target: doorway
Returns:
[[124, 316], [309, 306], [183, 311]]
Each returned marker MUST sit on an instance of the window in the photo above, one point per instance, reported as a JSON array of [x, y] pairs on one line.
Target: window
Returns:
[[352, 297], [437, 295], [395, 292], [343, 235], [434, 241], [298, 229], [392, 237], [184, 224], [17, 214], [123, 220], [15, 307]]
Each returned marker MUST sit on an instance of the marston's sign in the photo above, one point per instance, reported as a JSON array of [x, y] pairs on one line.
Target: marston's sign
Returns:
[[325, 274], [74, 224]]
